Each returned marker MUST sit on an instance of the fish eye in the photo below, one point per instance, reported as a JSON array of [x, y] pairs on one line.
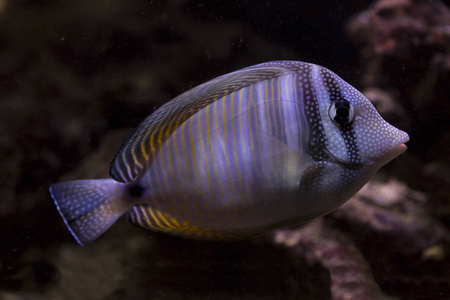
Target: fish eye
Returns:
[[341, 112]]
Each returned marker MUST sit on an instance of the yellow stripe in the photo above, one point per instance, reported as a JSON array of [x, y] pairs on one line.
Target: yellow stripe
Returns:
[[169, 157], [174, 221], [273, 113], [136, 161], [156, 138], [298, 106], [224, 120], [203, 148], [143, 148], [148, 218], [159, 132], [272, 101], [211, 148], [185, 155], [177, 162], [142, 216], [250, 97], [152, 144], [165, 180], [262, 95], [255, 107], [240, 116], [280, 110], [163, 218], [173, 123], [154, 218], [246, 168], [144, 153], [234, 138], [156, 178], [264, 111], [239, 113], [267, 107], [194, 163], [225, 152]]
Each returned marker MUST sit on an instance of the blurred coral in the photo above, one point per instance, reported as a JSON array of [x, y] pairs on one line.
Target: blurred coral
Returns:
[[390, 209], [397, 211], [404, 28], [351, 276], [404, 59]]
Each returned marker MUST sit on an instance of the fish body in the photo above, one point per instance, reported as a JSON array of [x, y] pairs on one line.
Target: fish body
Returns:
[[271, 145]]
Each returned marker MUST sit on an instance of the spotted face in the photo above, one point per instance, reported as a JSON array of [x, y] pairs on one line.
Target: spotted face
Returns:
[[347, 138], [355, 132]]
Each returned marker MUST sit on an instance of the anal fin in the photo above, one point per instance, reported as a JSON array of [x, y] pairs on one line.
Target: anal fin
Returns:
[[150, 218]]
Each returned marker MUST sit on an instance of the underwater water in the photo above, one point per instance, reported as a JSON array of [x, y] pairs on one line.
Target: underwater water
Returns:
[[78, 76]]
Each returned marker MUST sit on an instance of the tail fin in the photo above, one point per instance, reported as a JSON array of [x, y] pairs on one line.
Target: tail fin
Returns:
[[89, 207]]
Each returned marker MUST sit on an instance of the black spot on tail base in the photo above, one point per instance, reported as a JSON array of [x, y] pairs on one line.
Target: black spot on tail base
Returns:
[[136, 191]]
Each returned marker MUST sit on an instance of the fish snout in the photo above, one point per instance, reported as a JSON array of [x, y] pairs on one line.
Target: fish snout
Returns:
[[398, 142]]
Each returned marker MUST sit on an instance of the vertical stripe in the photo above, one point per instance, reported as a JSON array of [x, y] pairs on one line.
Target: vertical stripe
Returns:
[[165, 152], [153, 216], [289, 111], [205, 160], [272, 109], [213, 160], [234, 139], [165, 184], [128, 175], [280, 122], [269, 127], [323, 100], [139, 218], [183, 143], [224, 109], [250, 135], [194, 162], [302, 127], [255, 103], [176, 153], [171, 157], [164, 220], [224, 150], [245, 165], [136, 159]]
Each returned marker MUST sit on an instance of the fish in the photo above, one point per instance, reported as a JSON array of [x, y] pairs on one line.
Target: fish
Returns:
[[272, 145]]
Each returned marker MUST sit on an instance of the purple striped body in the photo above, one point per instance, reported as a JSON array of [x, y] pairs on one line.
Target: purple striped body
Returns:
[[209, 171], [270, 145]]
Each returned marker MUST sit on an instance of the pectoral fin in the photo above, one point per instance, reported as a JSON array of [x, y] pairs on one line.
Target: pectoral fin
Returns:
[[282, 165]]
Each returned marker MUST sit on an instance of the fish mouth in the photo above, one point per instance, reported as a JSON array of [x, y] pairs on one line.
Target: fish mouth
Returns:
[[397, 148], [400, 143], [402, 147]]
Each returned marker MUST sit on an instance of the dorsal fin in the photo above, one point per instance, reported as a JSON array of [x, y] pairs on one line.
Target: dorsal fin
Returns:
[[139, 150]]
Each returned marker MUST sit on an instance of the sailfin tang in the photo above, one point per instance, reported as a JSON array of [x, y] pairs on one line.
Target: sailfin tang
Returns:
[[89, 207], [139, 150]]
